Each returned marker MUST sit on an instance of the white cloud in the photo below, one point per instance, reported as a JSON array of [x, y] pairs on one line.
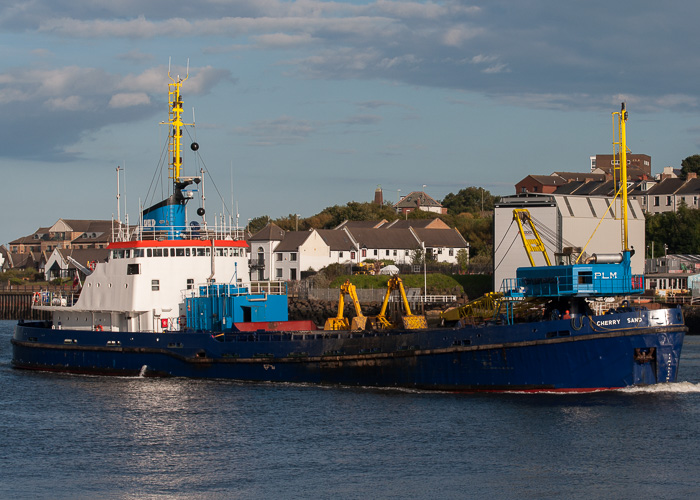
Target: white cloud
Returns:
[[127, 100], [283, 40], [282, 130], [70, 103]]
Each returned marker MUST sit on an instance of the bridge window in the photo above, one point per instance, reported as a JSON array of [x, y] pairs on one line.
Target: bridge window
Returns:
[[133, 269], [585, 278]]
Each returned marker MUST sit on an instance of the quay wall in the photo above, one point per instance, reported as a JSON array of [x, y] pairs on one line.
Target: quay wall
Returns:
[[18, 305]]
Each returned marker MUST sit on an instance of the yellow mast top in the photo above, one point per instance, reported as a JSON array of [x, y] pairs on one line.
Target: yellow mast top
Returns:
[[176, 124], [622, 155]]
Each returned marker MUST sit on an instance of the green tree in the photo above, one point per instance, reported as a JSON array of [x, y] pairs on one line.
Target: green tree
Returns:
[[470, 199], [690, 164], [463, 259], [680, 231], [257, 224]]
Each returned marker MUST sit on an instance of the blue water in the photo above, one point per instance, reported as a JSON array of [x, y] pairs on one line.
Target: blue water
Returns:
[[64, 436]]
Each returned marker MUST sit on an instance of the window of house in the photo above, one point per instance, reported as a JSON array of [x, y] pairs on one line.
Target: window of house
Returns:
[[395, 253], [375, 252], [293, 274], [352, 255], [668, 201], [695, 200], [452, 252], [155, 285], [340, 255], [364, 252], [293, 256], [656, 201], [278, 272], [279, 256]]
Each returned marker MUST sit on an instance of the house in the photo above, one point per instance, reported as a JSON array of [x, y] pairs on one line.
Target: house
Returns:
[[418, 200], [300, 251], [539, 184], [262, 245], [26, 260], [398, 245], [67, 233], [671, 192], [62, 261], [638, 165], [442, 244], [343, 249], [286, 255]]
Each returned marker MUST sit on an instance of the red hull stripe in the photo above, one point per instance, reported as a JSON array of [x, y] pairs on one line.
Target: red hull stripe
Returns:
[[176, 243]]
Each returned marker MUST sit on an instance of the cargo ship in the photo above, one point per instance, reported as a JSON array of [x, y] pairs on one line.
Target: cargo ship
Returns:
[[173, 299]]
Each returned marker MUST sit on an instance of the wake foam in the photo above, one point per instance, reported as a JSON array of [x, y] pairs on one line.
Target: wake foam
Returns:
[[674, 387]]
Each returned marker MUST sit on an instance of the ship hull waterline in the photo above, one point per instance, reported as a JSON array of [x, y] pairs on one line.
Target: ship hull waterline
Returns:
[[463, 359]]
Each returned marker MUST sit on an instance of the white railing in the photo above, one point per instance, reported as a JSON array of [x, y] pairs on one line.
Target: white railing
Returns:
[[56, 299], [141, 233], [232, 289]]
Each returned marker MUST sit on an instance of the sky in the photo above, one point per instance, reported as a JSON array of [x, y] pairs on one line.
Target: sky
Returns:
[[301, 105]]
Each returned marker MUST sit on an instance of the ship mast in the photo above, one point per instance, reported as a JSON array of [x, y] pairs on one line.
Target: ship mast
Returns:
[[176, 124], [622, 157]]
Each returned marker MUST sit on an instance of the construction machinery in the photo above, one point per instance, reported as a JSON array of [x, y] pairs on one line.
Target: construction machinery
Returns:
[[342, 323], [409, 321]]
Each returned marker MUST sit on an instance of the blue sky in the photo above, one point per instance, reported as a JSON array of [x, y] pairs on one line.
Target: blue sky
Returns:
[[302, 105]]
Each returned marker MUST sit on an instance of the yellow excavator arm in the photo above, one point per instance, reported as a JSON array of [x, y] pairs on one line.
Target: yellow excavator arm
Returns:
[[339, 322], [410, 321]]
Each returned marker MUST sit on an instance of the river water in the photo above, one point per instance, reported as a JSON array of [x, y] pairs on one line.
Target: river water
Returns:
[[65, 436]]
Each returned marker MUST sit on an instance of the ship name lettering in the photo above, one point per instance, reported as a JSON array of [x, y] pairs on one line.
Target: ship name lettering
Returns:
[[608, 322], [634, 320]]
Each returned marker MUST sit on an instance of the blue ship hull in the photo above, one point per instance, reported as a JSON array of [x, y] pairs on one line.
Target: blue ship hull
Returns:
[[583, 354]]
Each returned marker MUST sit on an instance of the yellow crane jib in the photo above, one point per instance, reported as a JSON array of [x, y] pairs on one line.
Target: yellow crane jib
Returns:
[[532, 243], [409, 321], [484, 307], [340, 322]]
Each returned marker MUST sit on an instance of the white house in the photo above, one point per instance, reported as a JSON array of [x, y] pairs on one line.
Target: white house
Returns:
[[300, 251], [278, 254]]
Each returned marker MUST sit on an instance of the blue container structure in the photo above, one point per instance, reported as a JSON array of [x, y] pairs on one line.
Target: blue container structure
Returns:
[[219, 306]]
